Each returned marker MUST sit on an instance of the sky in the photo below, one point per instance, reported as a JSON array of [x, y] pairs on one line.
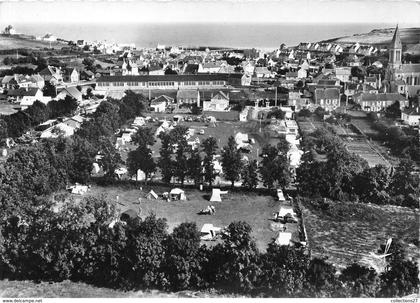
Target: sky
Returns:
[[404, 12]]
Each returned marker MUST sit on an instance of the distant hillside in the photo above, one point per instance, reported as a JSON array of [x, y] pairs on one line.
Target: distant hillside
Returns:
[[17, 41], [409, 36]]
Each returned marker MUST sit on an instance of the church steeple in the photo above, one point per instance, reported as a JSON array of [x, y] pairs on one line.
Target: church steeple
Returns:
[[395, 50]]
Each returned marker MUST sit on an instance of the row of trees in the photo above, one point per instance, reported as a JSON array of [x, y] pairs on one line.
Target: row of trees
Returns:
[[329, 170], [402, 142], [18, 123], [32, 172], [77, 244], [181, 161]]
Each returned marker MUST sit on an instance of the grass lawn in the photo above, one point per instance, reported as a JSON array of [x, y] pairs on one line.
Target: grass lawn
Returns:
[[68, 289], [249, 207], [351, 238], [221, 133]]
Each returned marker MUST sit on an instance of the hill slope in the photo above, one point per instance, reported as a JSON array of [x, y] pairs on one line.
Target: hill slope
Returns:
[[382, 36], [14, 42]]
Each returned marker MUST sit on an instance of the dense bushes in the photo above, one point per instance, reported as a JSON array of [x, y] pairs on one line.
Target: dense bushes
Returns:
[[329, 170], [76, 243], [20, 122]]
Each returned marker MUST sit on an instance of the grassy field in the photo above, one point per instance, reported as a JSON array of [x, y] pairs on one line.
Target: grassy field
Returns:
[[17, 42], [220, 132], [68, 289], [347, 236], [253, 208]]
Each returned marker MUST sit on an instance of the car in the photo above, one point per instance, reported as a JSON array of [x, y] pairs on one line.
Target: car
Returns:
[[201, 132]]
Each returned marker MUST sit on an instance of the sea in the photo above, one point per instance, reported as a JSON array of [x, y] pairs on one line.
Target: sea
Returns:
[[229, 35]]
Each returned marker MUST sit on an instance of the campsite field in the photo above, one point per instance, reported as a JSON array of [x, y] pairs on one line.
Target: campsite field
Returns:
[[255, 209], [221, 132], [348, 233]]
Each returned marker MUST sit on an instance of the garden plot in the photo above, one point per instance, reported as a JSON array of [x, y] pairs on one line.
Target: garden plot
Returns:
[[346, 236]]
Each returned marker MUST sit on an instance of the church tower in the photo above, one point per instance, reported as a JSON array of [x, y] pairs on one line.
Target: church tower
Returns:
[[395, 50]]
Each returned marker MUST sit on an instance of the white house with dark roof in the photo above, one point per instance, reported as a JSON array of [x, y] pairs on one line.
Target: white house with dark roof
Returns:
[[70, 91], [218, 103], [411, 116], [25, 96], [190, 96], [328, 98], [378, 102], [262, 72], [52, 74], [160, 103]]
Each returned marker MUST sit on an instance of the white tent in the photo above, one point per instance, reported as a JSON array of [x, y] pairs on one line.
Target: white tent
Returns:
[[283, 238], [120, 171], [140, 175], [215, 195], [151, 195], [177, 194], [95, 168], [286, 210], [280, 195], [78, 189], [208, 231]]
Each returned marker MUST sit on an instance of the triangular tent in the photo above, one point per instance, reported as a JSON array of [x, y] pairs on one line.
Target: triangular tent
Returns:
[[215, 195], [151, 195]]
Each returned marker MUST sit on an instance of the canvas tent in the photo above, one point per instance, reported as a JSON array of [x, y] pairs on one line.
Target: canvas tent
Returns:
[[151, 195], [215, 195], [280, 195], [78, 189], [242, 140], [286, 210], [283, 238], [208, 231], [177, 194], [95, 168], [120, 172]]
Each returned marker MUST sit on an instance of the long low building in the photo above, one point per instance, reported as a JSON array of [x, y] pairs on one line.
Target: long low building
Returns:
[[152, 82]]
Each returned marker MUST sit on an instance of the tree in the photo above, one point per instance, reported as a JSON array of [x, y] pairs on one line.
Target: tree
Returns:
[[404, 185], [358, 72], [267, 168], [194, 166], [209, 148], [141, 158], [276, 113], [183, 265], [181, 164], [250, 175], [402, 181], [83, 153], [283, 271], [275, 165], [37, 112], [110, 160], [131, 105], [49, 89], [3, 130], [359, 281], [165, 162], [401, 279], [321, 280], [231, 161], [144, 137], [372, 184], [320, 112], [170, 71], [394, 110], [304, 112], [234, 265]]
